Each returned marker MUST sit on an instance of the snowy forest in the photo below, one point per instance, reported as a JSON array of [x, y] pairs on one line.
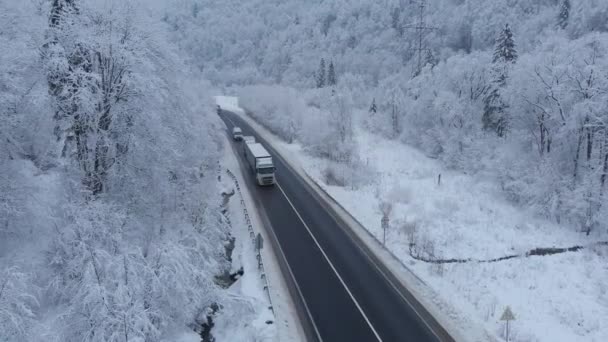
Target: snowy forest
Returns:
[[109, 146], [109, 221], [516, 90]]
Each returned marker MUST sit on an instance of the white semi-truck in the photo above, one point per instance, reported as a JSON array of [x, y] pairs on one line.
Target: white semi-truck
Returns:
[[260, 163]]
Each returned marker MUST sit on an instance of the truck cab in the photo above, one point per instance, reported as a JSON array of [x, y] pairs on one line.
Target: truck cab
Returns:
[[260, 163], [265, 172]]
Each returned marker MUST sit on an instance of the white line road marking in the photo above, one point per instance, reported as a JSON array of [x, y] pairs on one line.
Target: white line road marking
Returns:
[[330, 264]]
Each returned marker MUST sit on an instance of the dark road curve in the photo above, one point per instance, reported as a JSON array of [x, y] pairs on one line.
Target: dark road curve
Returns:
[[346, 297]]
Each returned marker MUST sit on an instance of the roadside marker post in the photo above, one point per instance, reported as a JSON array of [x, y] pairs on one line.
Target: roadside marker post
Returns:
[[259, 242], [507, 316], [384, 223]]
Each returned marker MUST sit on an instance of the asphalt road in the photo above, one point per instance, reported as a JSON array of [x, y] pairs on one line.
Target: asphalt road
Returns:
[[345, 296]]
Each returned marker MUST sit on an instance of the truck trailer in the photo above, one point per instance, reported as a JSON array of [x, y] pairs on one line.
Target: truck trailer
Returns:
[[260, 163]]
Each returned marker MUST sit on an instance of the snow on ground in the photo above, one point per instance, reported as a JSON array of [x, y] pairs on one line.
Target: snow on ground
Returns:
[[555, 298], [249, 288], [189, 336], [40, 198]]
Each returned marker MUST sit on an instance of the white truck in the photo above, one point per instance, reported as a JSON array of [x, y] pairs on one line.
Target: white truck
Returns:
[[260, 163], [237, 134]]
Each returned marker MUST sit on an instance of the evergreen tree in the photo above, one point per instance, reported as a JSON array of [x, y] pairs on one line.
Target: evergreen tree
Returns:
[[373, 109], [321, 74], [505, 47], [494, 116], [331, 75], [564, 14], [60, 9]]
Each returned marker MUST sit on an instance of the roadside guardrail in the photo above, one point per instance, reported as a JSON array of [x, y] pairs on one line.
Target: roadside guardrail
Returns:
[[252, 236]]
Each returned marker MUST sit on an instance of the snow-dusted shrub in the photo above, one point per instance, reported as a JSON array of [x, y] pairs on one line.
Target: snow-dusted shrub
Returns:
[[362, 174], [354, 174], [17, 305], [317, 136], [410, 229], [334, 175]]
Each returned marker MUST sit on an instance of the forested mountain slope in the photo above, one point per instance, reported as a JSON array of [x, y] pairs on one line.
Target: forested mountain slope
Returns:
[[516, 90], [109, 203], [109, 227]]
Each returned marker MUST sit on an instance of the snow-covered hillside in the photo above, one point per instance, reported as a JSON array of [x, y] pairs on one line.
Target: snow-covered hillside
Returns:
[[466, 223], [110, 225], [515, 88], [556, 298]]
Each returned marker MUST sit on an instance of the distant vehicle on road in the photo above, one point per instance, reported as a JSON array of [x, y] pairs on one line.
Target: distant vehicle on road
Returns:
[[237, 134], [260, 163]]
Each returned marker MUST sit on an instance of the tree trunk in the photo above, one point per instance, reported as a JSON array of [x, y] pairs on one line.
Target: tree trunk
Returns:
[[577, 154], [541, 129], [604, 162], [589, 143], [605, 169]]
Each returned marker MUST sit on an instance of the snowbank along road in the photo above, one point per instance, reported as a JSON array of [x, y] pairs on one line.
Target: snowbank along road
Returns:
[[345, 295]]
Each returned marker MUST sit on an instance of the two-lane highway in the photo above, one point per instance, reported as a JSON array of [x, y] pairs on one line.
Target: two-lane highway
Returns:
[[346, 295]]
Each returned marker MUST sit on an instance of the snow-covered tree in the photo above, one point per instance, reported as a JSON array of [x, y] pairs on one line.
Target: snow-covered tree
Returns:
[[555, 102], [321, 74], [373, 109], [395, 117], [89, 77], [564, 14], [504, 48], [17, 306], [331, 75], [495, 115]]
